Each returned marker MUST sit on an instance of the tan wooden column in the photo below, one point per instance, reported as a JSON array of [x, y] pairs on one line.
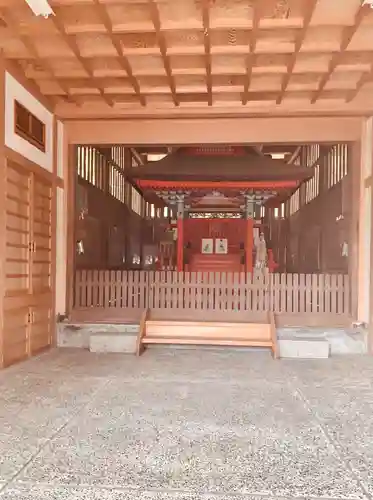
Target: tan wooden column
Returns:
[[2, 202], [180, 235], [362, 197], [70, 186], [249, 214]]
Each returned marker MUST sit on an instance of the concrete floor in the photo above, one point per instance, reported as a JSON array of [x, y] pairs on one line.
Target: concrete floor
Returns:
[[183, 425]]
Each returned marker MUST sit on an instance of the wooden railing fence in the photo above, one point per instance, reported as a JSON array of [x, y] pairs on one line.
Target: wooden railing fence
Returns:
[[280, 293]]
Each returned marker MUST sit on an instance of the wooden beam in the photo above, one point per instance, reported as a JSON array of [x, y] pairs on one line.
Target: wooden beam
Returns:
[[154, 12], [250, 58], [123, 60], [310, 9], [213, 130], [70, 40], [347, 35], [365, 78], [207, 45], [260, 185]]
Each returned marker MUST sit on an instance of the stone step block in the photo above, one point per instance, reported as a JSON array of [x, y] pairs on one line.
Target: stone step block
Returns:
[[304, 348], [104, 342]]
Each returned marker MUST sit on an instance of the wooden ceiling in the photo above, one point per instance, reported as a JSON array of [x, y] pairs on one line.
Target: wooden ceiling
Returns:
[[148, 57]]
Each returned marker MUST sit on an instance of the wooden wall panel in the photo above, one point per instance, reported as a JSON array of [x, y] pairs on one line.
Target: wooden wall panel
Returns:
[[313, 236], [111, 232]]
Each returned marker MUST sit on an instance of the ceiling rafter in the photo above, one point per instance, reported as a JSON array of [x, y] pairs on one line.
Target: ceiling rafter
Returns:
[[250, 58], [310, 9], [72, 44], [348, 33], [207, 46], [123, 60], [365, 78], [28, 43], [295, 155], [154, 12]]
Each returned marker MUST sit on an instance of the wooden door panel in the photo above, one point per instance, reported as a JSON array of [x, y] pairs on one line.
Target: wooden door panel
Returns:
[[17, 221], [27, 304], [40, 331], [41, 266], [15, 335], [42, 236], [15, 205]]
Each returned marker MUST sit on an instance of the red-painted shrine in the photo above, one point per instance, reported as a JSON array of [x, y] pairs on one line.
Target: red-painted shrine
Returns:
[[211, 181]]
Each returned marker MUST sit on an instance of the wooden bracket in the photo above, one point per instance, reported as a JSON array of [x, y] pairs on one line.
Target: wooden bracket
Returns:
[[275, 352], [142, 331]]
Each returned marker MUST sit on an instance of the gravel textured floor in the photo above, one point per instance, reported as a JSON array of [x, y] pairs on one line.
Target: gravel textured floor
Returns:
[[185, 425]]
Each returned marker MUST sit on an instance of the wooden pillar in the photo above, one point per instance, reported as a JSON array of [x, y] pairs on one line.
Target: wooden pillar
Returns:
[[180, 235], [2, 203], [71, 178], [353, 207], [53, 329], [249, 214], [361, 226], [249, 245]]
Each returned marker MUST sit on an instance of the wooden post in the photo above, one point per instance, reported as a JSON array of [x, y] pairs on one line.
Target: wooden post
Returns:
[[361, 225], [71, 178], [180, 235], [2, 203], [249, 214], [356, 198], [249, 245], [52, 321]]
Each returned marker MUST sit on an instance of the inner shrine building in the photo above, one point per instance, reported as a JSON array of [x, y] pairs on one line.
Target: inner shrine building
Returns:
[[217, 196]]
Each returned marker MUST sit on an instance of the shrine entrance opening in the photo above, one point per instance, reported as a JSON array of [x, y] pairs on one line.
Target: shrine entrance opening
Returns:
[[229, 232]]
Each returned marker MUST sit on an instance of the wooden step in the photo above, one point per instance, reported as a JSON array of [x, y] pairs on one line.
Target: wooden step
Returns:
[[207, 330], [178, 322], [239, 342], [214, 333]]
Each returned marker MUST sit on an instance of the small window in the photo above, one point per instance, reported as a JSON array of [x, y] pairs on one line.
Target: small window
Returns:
[[29, 127]]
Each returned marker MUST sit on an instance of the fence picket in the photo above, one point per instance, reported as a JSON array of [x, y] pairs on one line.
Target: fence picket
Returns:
[[131, 290], [321, 296], [118, 288], [314, 293], [339, 293], [346, 294], [106, 294], [308, 293], [327, 290], [142, 289], [275, 292], [289, 305], [334, 291]]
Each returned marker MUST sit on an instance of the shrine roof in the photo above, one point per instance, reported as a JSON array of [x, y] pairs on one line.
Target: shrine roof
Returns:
[[243, 164]]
